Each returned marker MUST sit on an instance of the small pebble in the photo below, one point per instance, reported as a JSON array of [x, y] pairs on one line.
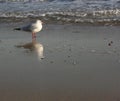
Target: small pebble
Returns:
[[51, 61], [74, 63], [109, 44], [68, 56]]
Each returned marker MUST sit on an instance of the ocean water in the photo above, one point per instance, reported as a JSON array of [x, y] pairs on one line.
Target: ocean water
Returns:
[[105, 12]]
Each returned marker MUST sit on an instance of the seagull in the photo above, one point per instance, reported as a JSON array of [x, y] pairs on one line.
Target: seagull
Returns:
[[32, 27]]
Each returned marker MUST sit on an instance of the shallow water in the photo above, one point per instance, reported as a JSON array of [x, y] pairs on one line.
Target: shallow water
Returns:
[[78, 64]]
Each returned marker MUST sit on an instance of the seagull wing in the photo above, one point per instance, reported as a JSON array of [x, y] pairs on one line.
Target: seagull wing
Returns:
[[27, 28]]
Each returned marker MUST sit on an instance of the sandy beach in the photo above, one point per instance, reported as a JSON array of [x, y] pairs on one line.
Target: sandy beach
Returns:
[[81, 63]]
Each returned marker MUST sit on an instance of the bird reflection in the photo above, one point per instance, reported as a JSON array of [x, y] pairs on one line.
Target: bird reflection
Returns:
[[34, 46]]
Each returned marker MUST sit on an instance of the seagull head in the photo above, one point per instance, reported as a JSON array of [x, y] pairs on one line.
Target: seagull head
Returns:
[[39, 21]]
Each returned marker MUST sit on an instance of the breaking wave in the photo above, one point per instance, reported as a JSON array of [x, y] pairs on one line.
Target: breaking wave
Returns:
[[105, 12]]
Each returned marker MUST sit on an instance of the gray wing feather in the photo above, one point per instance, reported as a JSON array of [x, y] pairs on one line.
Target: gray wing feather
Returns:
[[26, 28]]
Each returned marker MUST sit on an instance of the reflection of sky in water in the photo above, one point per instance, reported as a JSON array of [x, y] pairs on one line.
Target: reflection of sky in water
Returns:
[[34, 46]]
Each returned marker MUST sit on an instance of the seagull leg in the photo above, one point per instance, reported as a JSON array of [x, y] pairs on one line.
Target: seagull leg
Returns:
[[33, 35]]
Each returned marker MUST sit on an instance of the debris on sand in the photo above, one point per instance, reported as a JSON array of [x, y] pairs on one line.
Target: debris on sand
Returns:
[[74, 63], [51, 62], [68, 56], [110, 43]]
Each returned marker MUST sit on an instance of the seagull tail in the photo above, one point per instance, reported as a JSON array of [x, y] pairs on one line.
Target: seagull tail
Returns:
[[17, 28]]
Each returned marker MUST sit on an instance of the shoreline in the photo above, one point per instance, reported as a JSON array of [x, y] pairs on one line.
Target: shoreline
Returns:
[[10, 20], [79, 64]]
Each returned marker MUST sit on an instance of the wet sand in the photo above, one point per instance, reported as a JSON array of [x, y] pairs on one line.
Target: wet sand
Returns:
[[81, 63]]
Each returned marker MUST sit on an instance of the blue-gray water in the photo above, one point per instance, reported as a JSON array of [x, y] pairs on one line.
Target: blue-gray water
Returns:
[[74, 11]]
